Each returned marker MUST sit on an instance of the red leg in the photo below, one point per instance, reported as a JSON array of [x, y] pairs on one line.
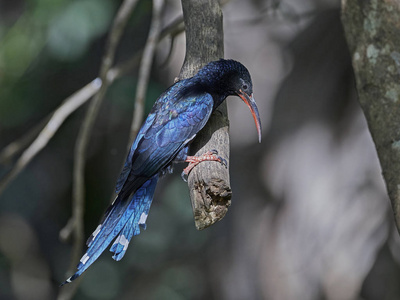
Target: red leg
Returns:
[[195, 160]]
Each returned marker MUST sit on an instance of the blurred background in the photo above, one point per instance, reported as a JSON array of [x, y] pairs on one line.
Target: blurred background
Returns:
[[310, 218]]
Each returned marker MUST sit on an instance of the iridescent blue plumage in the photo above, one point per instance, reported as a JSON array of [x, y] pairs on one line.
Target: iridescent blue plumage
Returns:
[[177, 116]]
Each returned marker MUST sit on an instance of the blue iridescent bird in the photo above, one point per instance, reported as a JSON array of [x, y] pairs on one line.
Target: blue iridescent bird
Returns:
[[164, 138]]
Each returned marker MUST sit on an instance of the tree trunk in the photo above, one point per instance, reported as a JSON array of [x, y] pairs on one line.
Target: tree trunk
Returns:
[[208, 182], [373, 34]]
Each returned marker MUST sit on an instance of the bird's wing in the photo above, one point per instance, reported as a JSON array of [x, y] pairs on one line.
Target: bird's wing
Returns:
[[174, 124], [128, 163], [173, 128], [168, 98]]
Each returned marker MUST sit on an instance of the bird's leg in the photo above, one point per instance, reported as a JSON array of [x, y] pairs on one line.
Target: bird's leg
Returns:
[[195, 160]]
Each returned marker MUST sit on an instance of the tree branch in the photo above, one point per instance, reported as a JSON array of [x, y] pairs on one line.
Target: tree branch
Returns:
[[79, 98], [114, 37], [208, 182], [59, 116], [12, 149], [372, 31], [145, 68]]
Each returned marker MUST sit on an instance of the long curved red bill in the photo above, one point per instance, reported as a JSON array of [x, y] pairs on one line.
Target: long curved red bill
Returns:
[[251, 103]]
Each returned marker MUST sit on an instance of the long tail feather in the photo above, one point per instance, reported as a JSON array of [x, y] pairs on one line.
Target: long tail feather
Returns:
[[122, 219], [142, 202]]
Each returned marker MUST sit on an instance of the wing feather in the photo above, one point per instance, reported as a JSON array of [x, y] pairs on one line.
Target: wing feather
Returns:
[[171, 131]]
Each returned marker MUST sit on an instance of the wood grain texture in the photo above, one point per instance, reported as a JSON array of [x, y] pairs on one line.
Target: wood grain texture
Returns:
[[209, 185]]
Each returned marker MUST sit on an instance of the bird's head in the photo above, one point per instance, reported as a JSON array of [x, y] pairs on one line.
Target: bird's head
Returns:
[[231, 78]]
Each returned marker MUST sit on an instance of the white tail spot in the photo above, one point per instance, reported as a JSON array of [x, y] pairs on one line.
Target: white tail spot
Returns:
[[143, 218], [84, 258], [122, 240]]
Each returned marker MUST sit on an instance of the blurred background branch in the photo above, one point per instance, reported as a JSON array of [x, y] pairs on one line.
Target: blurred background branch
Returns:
[[82, 142], [145, 68], [12, 149], [70, 105], [372, 34], [80, 97]]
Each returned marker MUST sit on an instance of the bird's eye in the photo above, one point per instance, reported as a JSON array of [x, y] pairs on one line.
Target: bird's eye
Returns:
[[244, 86]]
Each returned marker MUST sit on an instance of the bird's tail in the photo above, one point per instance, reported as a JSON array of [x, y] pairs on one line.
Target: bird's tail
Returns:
[[123, 220]]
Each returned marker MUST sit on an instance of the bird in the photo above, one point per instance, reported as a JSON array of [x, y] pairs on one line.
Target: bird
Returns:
[[164, 139]]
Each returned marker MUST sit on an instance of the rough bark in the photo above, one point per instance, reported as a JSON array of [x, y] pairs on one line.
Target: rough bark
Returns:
[[373, 35], [208, 182]]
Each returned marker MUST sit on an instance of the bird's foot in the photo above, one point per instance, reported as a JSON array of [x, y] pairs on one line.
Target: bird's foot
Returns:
[[195, 160]]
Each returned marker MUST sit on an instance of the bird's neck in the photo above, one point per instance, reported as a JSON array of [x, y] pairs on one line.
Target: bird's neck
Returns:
[[214, 84], [218, 99]]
